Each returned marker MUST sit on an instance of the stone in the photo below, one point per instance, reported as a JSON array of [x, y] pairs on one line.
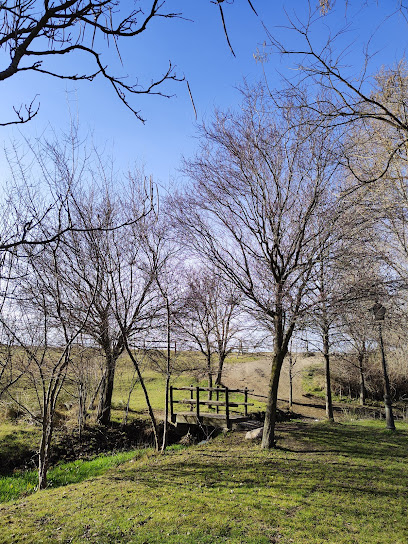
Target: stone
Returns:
[[255, 434]]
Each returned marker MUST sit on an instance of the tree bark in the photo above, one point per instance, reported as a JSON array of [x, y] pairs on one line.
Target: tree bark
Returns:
[[326, 355], [221, 359], [209, 373], [290, 381], [146, 395], [105, 401], [362, 377], [387, 388], [168, 374], [268, 437], [44, 452]]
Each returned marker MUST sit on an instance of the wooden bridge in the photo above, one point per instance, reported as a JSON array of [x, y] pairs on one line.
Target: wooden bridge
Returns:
[[222, 406]]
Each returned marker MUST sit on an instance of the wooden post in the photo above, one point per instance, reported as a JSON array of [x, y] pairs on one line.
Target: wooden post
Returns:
[[191, 397], [227, 414], [198, 404], [246, 400], [217, 396], [171, 405]]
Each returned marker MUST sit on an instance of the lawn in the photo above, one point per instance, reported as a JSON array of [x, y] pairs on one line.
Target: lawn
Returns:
[[324, 484]]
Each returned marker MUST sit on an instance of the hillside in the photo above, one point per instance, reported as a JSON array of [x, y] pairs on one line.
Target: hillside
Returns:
[[339, 484], [255, 375]]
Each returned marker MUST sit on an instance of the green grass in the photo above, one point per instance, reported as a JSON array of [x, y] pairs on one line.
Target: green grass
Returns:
[[17, 442], [155, 384], [25, 482], [340, 484], [313, 380]]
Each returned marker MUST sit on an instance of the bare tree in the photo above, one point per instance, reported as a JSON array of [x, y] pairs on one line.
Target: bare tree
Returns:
[[362, 102], [209, 318], [194, 320], [33, 33], [114, 263], [39, 206], [259, 180], [43, 329]]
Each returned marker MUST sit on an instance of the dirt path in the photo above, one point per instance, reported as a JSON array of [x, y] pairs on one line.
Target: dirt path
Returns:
[[255, 375]]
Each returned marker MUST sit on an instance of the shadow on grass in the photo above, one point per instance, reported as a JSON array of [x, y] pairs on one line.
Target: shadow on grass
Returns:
[[348, 461]]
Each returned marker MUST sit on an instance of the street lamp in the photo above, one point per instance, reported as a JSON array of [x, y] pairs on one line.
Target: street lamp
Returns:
[[379, 314]]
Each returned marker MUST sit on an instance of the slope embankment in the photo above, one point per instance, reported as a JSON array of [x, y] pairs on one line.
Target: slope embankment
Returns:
[[255, 375]]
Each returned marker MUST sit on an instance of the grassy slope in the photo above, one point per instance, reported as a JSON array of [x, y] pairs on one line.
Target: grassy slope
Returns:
[[326, 483], [155, 384]]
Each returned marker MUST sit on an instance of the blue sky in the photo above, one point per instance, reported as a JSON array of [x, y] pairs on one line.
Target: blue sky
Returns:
[[199, 50]]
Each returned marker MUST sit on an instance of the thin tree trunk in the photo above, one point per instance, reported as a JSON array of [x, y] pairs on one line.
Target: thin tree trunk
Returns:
[[221, 359], [326, 355], [290, 381], [132, 386], [146, 395], [82, 394], [362, 378], [91, 405], [44, 452], [168, 373], [280, 350], [387, 388], [209, 373]]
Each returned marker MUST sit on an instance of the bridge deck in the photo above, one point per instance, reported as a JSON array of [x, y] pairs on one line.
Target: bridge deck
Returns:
[[209, 419]]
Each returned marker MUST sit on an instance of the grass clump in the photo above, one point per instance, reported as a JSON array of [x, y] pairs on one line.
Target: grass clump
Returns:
[[339, 484]]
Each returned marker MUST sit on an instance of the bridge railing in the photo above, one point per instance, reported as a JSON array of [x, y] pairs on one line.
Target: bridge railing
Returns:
[[221, 403]]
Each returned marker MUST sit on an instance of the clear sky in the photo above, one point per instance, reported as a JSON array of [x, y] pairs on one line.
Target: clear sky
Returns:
[[200, 52]]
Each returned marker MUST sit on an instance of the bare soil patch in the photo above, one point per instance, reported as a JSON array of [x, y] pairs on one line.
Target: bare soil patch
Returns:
[[255, 375]]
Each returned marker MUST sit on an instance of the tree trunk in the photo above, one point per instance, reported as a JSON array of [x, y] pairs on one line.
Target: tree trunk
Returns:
[[146, 395], [362, 378], [209, 373], [326, 355], [44, 452], [105, 401], [221, 359], [82, 394], [268, 438], [290, 381], [168, 374], [93, 399], [387, 388]]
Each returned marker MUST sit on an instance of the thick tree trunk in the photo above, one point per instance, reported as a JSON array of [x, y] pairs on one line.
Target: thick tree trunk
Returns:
[[268, 438], [105, 401]]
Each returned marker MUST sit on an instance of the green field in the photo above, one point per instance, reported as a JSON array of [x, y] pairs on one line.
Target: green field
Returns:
[[190, 370], [340, 484]]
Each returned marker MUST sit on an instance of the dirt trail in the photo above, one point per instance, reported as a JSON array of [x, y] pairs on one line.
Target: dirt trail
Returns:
[[255, 375]]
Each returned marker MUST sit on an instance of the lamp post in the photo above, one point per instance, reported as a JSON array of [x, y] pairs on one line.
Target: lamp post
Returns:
[[379, 314]]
